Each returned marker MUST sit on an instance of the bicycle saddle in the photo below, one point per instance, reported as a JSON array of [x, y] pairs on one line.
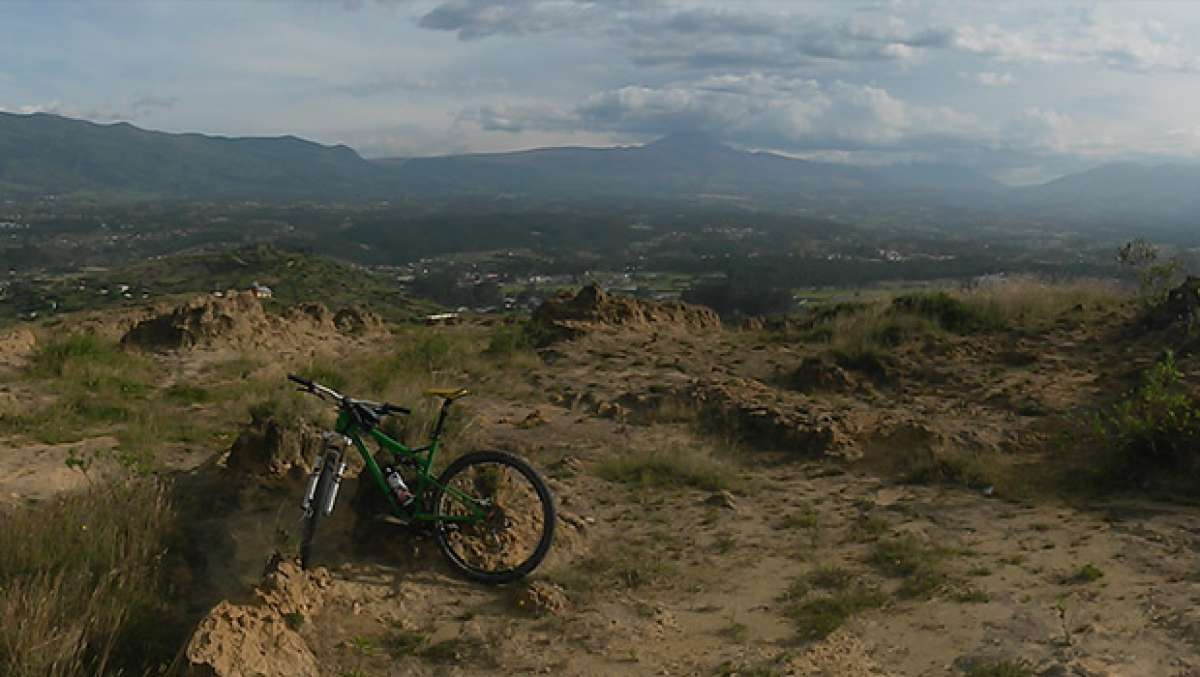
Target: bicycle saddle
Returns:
[[448, 393]]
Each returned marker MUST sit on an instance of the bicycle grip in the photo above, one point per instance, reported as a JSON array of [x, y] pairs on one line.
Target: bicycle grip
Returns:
[[301, 380]]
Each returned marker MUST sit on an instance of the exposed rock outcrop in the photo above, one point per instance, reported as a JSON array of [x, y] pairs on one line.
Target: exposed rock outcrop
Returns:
[[568, 316]]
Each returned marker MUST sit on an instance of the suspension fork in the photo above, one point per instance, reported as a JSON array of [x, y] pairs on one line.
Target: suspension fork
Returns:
[[337, 444]]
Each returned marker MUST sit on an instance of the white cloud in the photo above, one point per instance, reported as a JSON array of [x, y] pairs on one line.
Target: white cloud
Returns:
[[990, 79]]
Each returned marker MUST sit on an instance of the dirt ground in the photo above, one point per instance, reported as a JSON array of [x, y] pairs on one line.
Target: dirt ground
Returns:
[[686, 581]]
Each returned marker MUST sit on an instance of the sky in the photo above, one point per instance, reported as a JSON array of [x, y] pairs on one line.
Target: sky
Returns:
[[1023, 91]]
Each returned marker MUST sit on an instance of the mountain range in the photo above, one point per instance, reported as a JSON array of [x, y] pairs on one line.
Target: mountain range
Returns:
[[47, 154]]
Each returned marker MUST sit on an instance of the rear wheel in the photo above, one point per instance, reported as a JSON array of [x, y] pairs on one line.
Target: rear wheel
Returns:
[[324, 485], [516, 516]]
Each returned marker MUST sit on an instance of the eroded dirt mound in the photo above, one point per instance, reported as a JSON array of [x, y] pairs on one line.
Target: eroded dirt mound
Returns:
[[239, 320], [260, 637], [266, 448], [568, 316]]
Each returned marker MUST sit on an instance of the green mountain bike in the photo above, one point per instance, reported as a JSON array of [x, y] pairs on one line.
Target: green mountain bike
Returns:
[[491, 512]]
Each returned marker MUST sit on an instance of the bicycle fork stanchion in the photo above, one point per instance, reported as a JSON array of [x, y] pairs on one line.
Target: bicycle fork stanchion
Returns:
[[310, 493], [333, 490]]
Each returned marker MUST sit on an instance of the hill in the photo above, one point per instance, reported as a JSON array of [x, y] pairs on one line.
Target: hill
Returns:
[[1119, 194], [48, 154], [688, 164]]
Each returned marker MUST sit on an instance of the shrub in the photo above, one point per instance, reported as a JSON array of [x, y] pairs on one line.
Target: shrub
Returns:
[[1155, 430], [1154, 277], [946, 311]]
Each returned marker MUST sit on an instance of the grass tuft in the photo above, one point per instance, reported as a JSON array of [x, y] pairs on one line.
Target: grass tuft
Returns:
[[678, 465]]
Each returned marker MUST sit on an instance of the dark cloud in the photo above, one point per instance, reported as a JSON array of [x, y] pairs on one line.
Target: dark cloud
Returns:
[[657, 34]]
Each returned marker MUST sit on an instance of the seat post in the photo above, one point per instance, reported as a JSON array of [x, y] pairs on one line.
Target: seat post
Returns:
[[437, 429]]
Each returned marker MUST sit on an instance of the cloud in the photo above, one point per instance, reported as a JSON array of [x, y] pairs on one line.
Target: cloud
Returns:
[[653, 33], [990, 79], [757, 110], [657, 34], [147, 103], [398, 83], [70, 111], [1139, 46]]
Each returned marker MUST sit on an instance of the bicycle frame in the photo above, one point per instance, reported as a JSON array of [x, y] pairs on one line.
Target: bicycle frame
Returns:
[[422, 457]]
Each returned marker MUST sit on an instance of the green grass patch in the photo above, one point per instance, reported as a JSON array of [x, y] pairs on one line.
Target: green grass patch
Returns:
[[186, 393]]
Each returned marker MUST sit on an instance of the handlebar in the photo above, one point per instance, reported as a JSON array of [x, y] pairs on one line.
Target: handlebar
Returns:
[[325, 392]]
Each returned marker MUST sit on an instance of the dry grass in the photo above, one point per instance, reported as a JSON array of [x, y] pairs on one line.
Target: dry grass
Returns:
[[1025, 299], [79, 589]]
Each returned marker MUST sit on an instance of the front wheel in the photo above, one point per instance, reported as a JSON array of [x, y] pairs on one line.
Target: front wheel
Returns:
[[495, 516], [324, 486]]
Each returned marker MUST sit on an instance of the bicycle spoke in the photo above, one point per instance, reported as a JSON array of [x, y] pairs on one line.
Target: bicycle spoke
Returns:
[[512, 524]]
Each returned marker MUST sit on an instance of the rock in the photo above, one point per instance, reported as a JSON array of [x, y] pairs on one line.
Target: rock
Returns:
[[259, 639], [566, 316], [567, 466], [722, 499], [357, 321], [818, 375], [534, 419], [541, 598]]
